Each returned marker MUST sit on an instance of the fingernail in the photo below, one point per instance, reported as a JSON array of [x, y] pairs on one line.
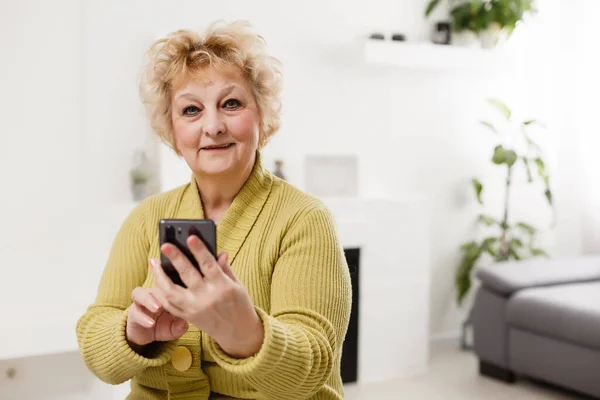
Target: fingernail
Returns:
[[154, 262], [155, 307], [150, 321]]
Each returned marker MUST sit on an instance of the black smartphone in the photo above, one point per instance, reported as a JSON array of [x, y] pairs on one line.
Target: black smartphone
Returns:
[[176, 232]]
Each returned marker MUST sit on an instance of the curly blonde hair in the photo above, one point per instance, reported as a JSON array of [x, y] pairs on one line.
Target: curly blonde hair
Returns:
[[221, 45]]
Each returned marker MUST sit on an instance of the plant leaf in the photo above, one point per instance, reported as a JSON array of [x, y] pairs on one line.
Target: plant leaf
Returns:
[[431, 6], [527, 228], [488, 246], [541, 167], [500, 106], [539, 252], [510, 157], [534, 121], [498, 157], [490, 126], [503, 156], [471, 253], [462, 17], [516, 243], [528, 169], [548, 194], [467, 245], [514, 254], [489, 221], [513, 247], [478, 186], [531, 143]]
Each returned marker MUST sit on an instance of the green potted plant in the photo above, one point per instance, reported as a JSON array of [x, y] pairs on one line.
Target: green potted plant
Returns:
[[500, 17], [503, 238], [486, 19]]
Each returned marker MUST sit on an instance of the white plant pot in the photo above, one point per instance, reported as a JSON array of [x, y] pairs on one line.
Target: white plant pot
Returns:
[[490, 37], [464, 39]]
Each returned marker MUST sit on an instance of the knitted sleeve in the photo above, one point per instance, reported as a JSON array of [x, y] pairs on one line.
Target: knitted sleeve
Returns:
[[101, 330], [310, 311]]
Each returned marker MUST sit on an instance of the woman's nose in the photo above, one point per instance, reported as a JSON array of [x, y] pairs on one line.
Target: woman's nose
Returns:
[[213, 123]]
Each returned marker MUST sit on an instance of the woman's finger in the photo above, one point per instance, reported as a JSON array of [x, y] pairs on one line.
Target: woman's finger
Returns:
[[164, 282], [188, 273], [138, 315], [169, 301], [208, 265], [145, 299]]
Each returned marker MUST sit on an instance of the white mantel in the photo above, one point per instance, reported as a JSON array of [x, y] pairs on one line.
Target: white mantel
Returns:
[[394, 238]]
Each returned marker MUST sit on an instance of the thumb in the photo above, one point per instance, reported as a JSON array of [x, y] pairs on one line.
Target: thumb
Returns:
[[179, 327]]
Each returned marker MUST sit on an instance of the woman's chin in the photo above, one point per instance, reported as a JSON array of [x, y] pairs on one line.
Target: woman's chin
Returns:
[[215, 169]]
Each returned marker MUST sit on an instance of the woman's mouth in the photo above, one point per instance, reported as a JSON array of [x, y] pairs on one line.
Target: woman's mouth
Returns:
[[218, 147]]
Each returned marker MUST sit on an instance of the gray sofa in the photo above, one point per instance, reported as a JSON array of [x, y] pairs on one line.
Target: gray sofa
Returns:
[[540, 319]]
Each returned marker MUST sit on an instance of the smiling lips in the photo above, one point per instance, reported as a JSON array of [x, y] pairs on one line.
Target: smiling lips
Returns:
[[218, 147]]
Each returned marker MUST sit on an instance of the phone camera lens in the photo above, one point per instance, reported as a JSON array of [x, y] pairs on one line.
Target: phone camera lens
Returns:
[[170, 232]]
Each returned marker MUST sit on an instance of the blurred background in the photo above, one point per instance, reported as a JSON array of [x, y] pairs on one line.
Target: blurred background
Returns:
[[383, 111]]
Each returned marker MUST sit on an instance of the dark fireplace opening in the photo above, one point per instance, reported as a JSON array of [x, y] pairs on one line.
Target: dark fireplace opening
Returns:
[[349, 363]]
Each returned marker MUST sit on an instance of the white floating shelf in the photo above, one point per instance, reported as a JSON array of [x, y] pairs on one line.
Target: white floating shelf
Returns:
[[429, 56]]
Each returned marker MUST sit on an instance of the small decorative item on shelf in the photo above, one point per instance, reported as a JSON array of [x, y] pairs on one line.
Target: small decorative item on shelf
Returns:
[[442, 33], [278, 172], [399, 37], [140, 176], [377, 36]]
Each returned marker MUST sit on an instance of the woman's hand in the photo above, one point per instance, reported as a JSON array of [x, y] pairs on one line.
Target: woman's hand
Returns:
[[148, 322], [216, 302]]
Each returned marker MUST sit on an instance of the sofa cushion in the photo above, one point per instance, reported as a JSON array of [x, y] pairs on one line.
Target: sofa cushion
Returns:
[[508, 277], [568, 312]]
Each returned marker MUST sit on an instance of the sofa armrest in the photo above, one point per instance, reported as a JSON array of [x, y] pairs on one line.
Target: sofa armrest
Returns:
[[508, 277]]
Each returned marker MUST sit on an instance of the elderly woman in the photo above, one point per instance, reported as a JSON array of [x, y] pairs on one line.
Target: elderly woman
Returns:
[[267, 317]]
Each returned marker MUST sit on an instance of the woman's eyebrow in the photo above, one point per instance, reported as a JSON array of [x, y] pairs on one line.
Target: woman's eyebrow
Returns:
[[223, 92]]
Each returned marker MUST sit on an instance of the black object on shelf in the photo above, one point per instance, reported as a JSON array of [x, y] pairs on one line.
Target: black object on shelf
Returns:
[[399, 37], [442, 33], [377, 36]]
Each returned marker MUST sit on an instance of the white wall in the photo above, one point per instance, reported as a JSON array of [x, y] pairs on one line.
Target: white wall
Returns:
[[41, 119], [581, 155]]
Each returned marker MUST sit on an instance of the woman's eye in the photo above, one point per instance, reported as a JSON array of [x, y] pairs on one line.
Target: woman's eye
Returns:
[[190, 111], [232, 104]]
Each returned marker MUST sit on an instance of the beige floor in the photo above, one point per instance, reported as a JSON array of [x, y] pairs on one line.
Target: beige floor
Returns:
[[453, 376]]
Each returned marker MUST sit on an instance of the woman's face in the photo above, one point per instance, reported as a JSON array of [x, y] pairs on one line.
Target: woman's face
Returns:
[[216, 122]]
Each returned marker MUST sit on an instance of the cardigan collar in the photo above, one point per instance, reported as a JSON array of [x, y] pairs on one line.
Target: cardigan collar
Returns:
[[241, 214]]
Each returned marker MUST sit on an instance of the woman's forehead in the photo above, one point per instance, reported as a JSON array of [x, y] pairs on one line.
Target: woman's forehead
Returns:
[[210, 78]]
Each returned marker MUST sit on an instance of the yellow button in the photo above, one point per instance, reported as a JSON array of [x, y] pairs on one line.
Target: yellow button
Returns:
[[181, 359]]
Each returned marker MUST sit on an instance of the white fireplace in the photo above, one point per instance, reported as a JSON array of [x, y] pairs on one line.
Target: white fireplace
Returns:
[[394, 241]]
